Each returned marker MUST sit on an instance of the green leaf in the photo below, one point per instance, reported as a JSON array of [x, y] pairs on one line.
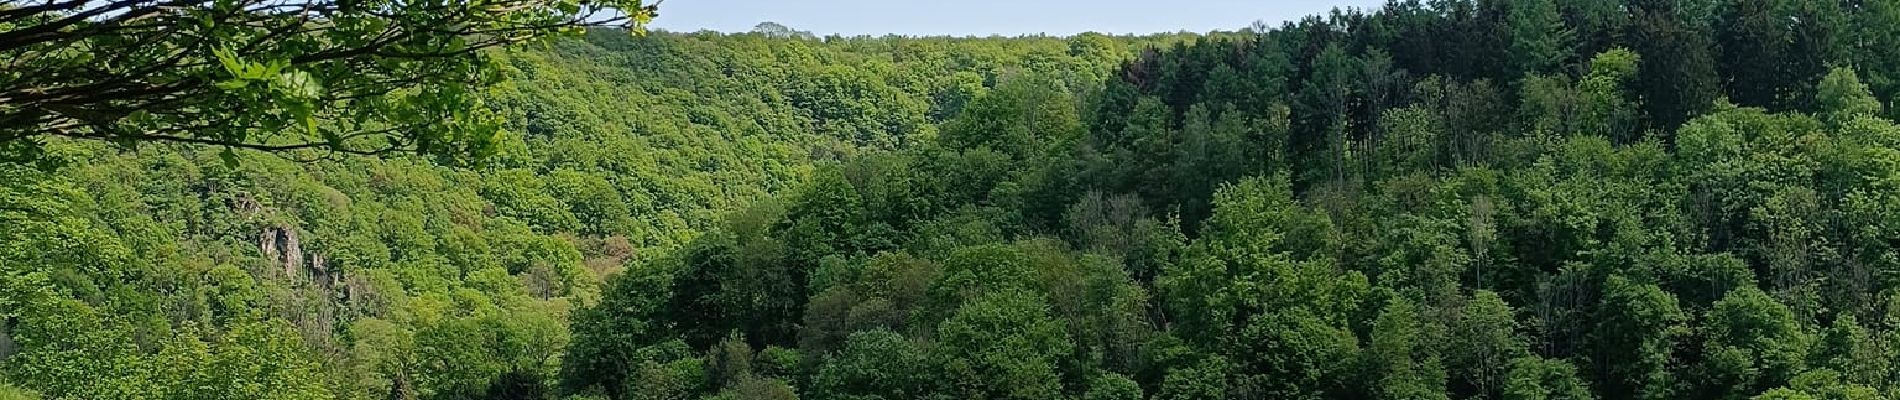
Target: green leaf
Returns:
[[306, 115], [299, 84], [230, 61]]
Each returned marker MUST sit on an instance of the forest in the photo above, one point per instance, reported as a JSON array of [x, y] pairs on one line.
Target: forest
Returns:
[[1443, 199]]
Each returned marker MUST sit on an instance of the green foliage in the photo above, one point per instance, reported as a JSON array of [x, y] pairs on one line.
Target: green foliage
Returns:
[[1485, 342], [1112, 386], [1638, 327], [1752, 343], [1204, 380], [1825, 384], [1539, 40], [876, 365], [1536, 378], [1404, 365], [1002, 346], [1841, 96], [9, 392], [370, 78], [1434, 200], [1022, 114]]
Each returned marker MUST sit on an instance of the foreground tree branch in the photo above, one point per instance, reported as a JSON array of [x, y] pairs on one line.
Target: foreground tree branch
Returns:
[[273, 75]]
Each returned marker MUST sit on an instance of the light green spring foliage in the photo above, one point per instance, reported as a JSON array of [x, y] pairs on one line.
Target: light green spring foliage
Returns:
[[9, 392], [1509, 200], [364, 77], [179, 272], [1204, 234], [1406, 369]]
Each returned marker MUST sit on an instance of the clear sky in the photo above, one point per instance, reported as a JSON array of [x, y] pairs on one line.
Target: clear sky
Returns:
[[986, 17]]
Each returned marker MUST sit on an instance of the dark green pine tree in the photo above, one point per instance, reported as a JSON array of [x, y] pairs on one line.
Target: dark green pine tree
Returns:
[[1677, 78]]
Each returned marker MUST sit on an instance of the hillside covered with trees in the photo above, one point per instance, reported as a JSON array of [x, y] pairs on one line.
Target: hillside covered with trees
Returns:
[[1453, 199]]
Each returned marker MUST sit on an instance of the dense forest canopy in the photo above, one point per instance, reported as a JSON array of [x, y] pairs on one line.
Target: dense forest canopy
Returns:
[[1522, 199]]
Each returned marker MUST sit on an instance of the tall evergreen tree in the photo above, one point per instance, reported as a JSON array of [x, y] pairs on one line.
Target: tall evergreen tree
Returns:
[[1540, 42]]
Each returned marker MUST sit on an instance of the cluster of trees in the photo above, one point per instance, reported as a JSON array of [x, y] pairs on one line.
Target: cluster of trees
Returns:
[[1522, 199], [1490, 199], [169, 271], [1583, 269]]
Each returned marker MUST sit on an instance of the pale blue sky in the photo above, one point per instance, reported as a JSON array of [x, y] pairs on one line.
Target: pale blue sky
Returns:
[[985, 17]]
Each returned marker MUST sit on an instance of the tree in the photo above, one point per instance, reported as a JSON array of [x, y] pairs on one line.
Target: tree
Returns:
[[1851, 348], [1484, 342], [1324, 100], [1257, 255], [1607, 107], [1773, 52], [1112, 386], [1257, 286], [616, 336], [1003, 346], [1752, 35], [759, 389], [746, 192], [262, 361], [1403, 363], [1537, 378], [1819, 29], [406, 279], [1678, 78], [70, 352], [753, 281], [1211, 152], [774, 29], [680, 379], [1597, 23], [856, 106], [729, 363], [1205, 379], [875, 365], [1637, 327], [1874, 35], [1539, 41], [1840, 97], [343, 76], [1018, 118], [1784, 394], [1409, 142], [1821, 384], [1753, 345]]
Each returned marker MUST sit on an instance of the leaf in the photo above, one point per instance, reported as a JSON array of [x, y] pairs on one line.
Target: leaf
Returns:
[[642, 18], [306, 114], [233, 84], [299, 84], [275, 67], [230, 61]]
